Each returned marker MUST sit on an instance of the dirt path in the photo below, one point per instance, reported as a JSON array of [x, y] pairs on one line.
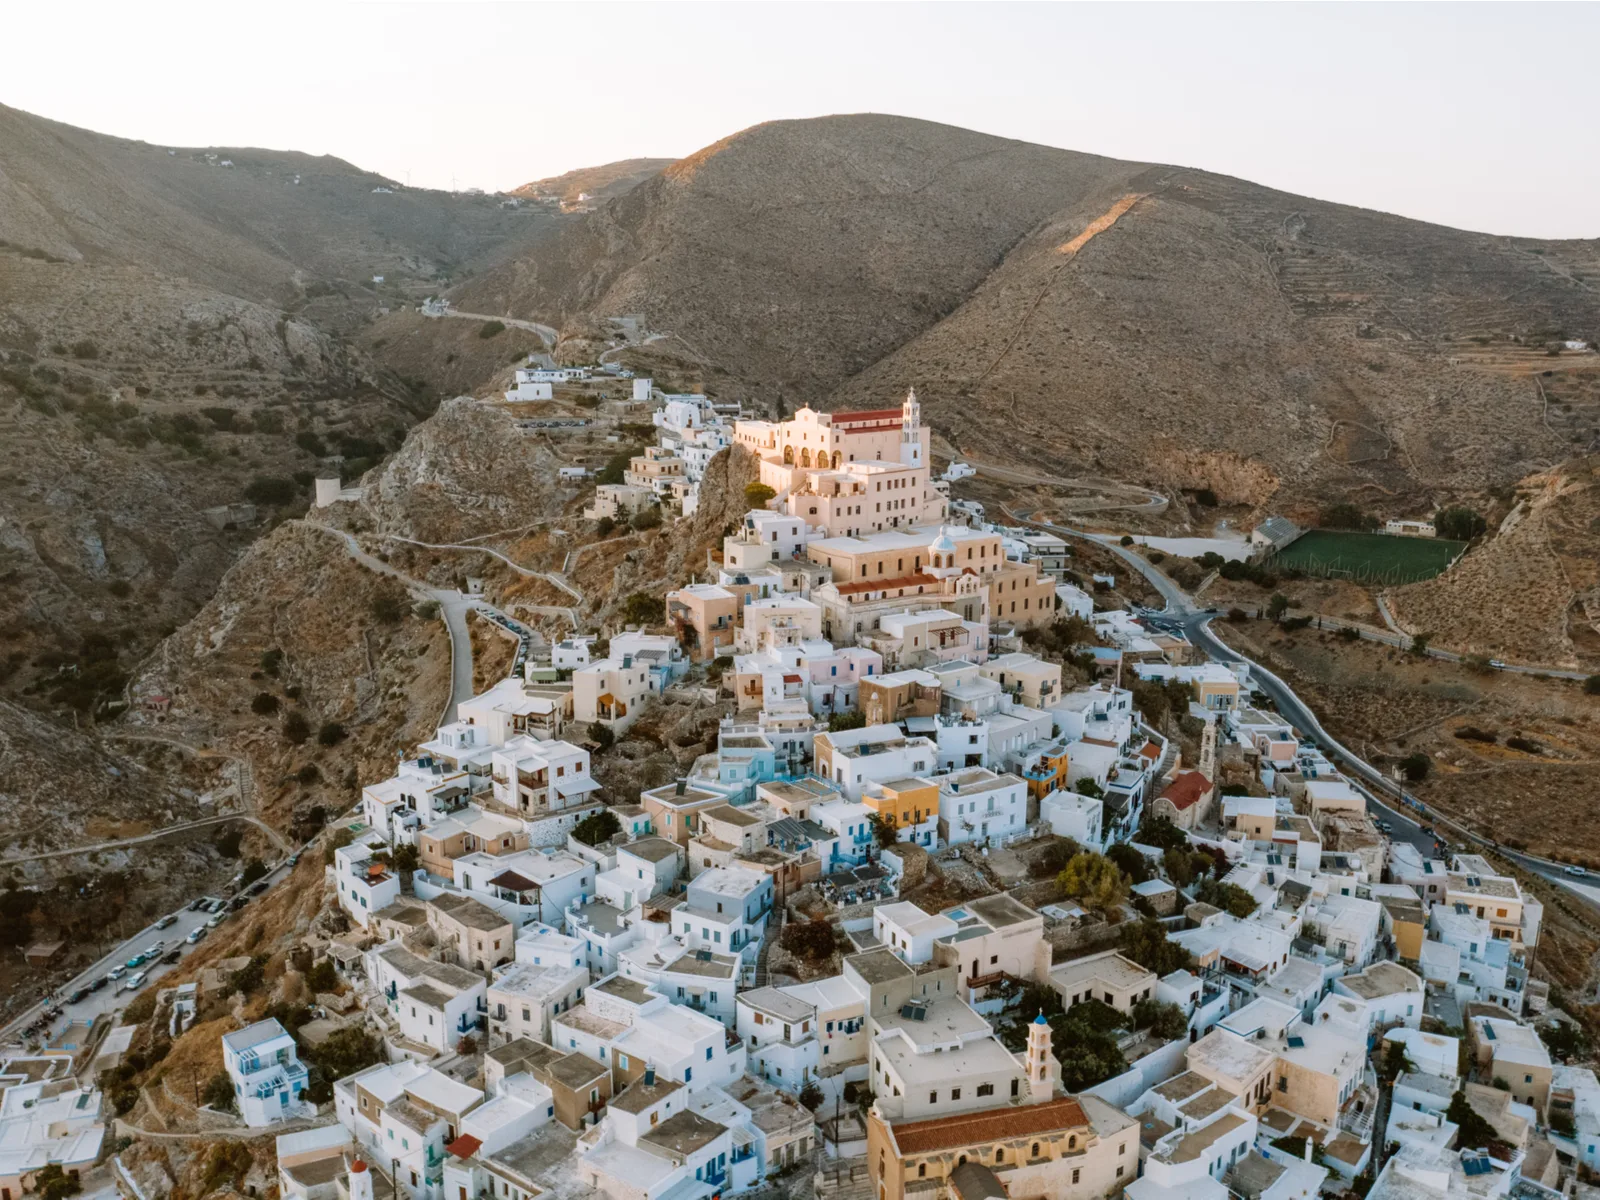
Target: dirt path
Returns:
[[155, 835]]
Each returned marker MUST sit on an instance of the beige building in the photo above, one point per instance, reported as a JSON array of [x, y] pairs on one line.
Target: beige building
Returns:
[[579, 1086], [468, 832], [1513, 1052], [1110, 977], [890, 699], [471, 933], [657, 469], [675, 809], [1030, 679], [705, 618], [619, 502], [1497, 899]]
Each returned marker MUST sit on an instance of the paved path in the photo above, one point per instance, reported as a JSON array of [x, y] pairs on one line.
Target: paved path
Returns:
[[453, 606], [152, 836], [545, 332], [549, 576]]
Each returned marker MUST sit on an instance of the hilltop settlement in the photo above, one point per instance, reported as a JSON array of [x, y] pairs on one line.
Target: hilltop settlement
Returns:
[[945, 910]]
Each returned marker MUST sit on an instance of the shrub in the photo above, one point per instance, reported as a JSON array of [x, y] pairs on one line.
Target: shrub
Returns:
[[271, 660], [1125, 540], [1591, 686], [1229, 897], [53, 1183], [296, 728], [322, 977], [648, 517], [1415, 767], [1419, 645], [491, 329], [605, 526], [271, 490], [1163, 1020], [602, 736], [1458, 523], [840, 721], [308, 774], [219, 1093], [331, 733], [120, 588], [388, 606], [1346, 516], [227, 842], [308, 441], [641, 608], [597, 827], [264, 704], [811, 1096], [1094, 880], [1277, 606], [1470, 733], [1526, 745], [84, 348], [756, 495]]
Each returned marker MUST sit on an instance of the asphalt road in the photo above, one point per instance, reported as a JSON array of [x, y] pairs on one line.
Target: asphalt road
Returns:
[[1386, 799], [111, 998]]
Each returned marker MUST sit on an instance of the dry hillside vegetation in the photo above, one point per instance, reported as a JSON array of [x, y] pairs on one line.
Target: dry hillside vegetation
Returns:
[[1539, 577], [599, 183], [1511, 755]]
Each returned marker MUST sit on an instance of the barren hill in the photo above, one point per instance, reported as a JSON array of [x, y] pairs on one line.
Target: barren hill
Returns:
[[1147, 321], [599, 183]]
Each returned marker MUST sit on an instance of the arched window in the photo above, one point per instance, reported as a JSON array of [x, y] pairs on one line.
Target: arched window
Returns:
[[1036, 1149], [805, 457], [835, 460], [788, 456], [1072, 1142]]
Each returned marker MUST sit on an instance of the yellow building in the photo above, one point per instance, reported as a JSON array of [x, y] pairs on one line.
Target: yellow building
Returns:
[[901, 803]]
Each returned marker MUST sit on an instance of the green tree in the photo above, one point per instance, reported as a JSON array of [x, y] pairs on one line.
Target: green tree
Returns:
[[296, 728], [490, 329], [884, 833], [1146, 942], [757, 494], [601, 736], [218, 1093], [1473, 1132], [648, 517], [1088, 787], [597, 827], [322, 977], [605, 527], [406, 858], [641, 608], [1130, 862], [1346, 516], [1419, 645], [331, 733], [1395, 1063], [53, 1183], [388, 607], [1094, 881], [341, 1053], [228, 841], [616, 466], [1277, 606], [1458, 523], [840, 721], [1161, 833], [1229, 897], [1415, 766], [1591, 686], [1163, 1020], [811, 1096], [264, 704], [1565, 1039]]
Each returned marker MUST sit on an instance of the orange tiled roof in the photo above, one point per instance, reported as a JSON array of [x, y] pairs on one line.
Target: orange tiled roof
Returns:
[[921, 578], [1186, 790], [865, 414], [990, 1125]]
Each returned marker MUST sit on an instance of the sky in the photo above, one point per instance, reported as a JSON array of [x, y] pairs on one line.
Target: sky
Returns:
[[1474, 115]]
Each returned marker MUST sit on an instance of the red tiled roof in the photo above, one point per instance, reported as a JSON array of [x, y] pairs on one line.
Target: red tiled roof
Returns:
[[513, 882], [921, 578], [991, 1125], [464, 1146], [1186, 790], [1151, 751]]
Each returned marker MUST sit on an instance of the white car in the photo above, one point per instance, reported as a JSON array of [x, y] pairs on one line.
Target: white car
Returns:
[[117, 972], [195, 937], [134, 982], [1578, 872]]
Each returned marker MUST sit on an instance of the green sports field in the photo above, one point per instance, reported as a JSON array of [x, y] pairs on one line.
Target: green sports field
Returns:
[[1367, 557]]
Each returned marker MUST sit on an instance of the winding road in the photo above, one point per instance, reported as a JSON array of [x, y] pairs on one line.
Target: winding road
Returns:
[[1385, 797]]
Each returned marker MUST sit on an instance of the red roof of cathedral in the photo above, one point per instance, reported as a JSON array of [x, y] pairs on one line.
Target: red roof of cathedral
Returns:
[[991, 1125], [1186, 790], [868, 414]]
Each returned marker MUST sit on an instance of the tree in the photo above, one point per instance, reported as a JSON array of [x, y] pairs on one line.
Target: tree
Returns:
[[1130, 862], [406, 859], [1415, 767], [1095, 881], [468, 1045], [1277, 606], [648, 517], [343, 1052], [840, 721], [491, 329], [53, 1183], [756, 495], [1395, 1062], [1088, 787], [218, 1093], [616, 466], [249, 977], [1229, 897], [1458, 523], [1346, 516], [331, 733], [1161, 833], [883, 832], [602, 736], [340, 839], [641, 608], [1163, 1020], [388, 607], [1146, 942], [322, 977], [605, 526], [1125, 540], [1473, 1132], [227, 842], [296, 728], [811, 1096], [264, 704], [271, 491], [1565, 1039], [1591, 686], [597, 827], [1419, 645]]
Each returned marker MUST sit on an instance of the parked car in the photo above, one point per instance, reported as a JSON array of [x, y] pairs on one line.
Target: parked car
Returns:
[[197, 905], [78, 994], [294, 858], [99, 983], [259, 887], [196, 935], [135, 962], [1577, 872], [1497, 664], [215, 921], [239, 902], [167, 921], [155, 948], [134, 982], [116, 972]]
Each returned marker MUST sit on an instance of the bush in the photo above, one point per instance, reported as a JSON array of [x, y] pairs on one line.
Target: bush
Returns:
[[597, 827], [264, 704], [227, 842], [605, 527], [615, 466], [811, 1096], [1095, 881], [296, 728], [852, 719], [271, 661], [641, 608], [602, 736], [756, 495], [218, 1093], [53, 1183], [1229, 897], [1346, 516], [1473, 1132], [1458, 523], [1125, 540], [253, 870], [1470, 733], [322, 977], [84, 348], [331, 733], [308, 774], [271, 490], [648, 517], [491, 329], [312, 444], [389, 606], [1277, 606], [1163, 1020], [1591, 686], [1130, 862], [1526, 745]]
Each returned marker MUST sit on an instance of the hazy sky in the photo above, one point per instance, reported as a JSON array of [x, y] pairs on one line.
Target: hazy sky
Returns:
[[1475, 115]]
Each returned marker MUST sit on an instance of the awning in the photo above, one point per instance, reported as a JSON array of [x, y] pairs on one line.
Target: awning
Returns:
[[605, 698], [576, 787], [511, 881]]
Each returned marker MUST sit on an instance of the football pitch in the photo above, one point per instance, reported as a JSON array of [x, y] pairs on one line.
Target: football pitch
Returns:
[[1367, 557]]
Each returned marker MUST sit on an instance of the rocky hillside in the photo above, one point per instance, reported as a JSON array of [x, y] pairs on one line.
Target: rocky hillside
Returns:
[[598, 183], [1091, 315]]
